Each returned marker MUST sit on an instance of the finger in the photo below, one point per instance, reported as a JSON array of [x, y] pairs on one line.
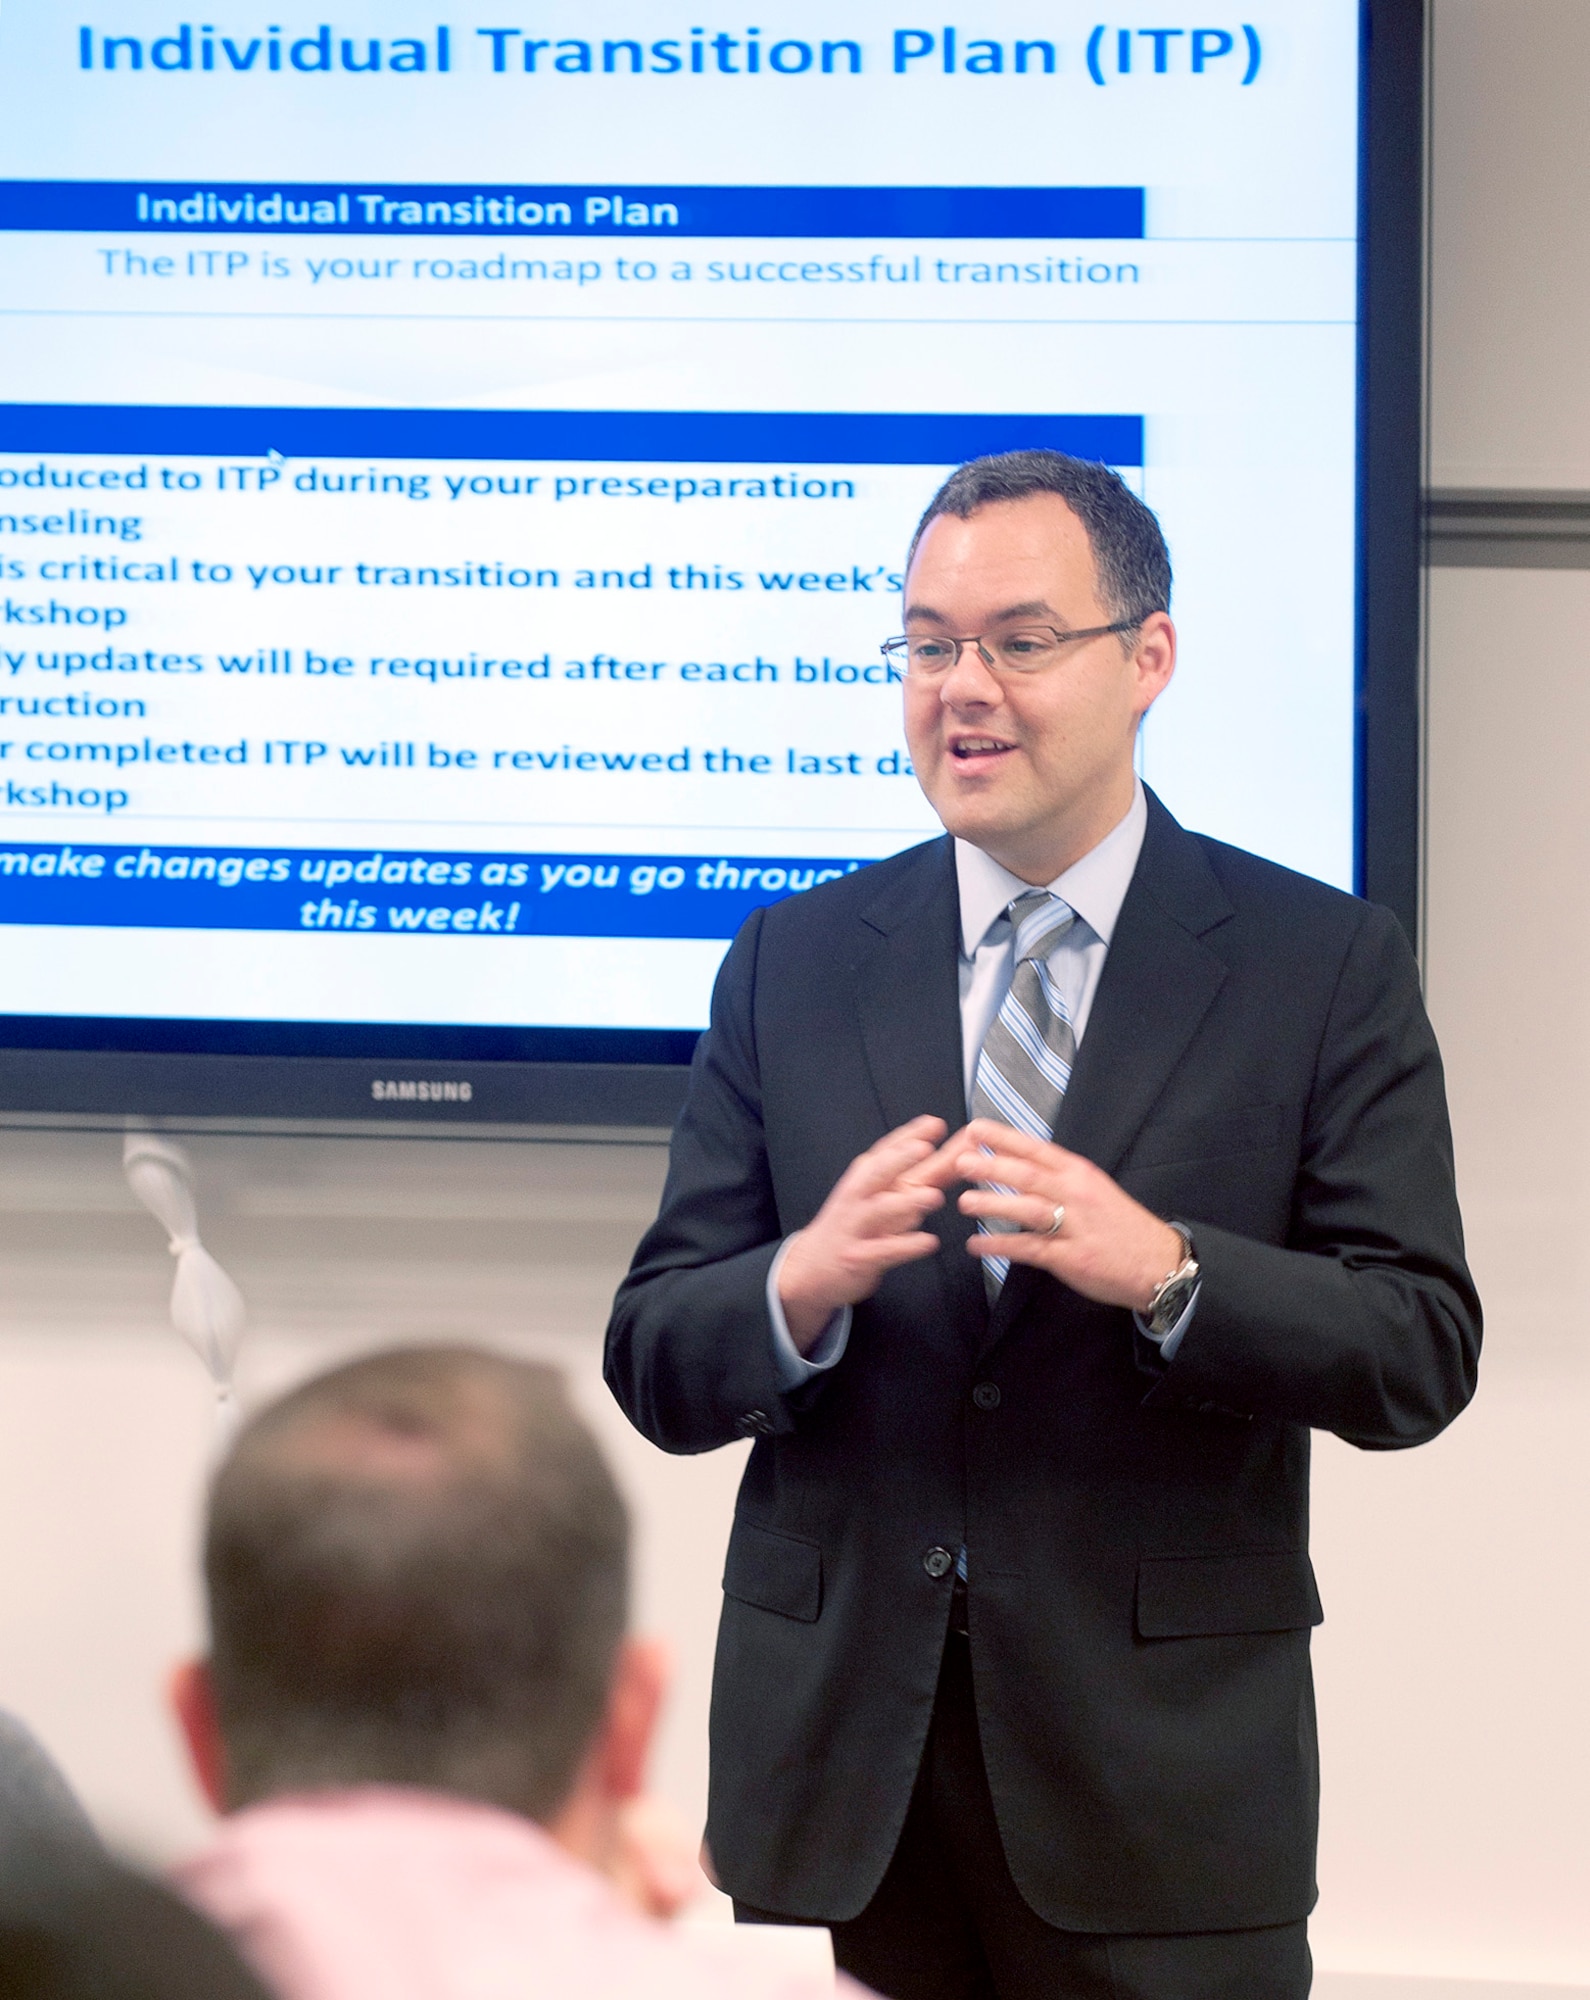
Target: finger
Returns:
[[1026, 1247], [909, 1142], [895, 1157], [1030, 1247], [894, 1209], [940, 1168], [882, 1253], [1023, 1175], [1026, 1211], [925, 1127], [882, 1165], [1005, 1138], [654, 1862]]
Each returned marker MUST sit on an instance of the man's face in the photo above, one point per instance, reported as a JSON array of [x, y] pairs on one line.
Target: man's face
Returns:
[[1026, 767]]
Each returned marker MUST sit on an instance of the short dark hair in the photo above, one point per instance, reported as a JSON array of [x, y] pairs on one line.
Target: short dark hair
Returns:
[[418, 1574], [1129, 551]]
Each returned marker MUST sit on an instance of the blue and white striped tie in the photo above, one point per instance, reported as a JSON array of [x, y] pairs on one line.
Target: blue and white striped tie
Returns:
[[1026, 1058]]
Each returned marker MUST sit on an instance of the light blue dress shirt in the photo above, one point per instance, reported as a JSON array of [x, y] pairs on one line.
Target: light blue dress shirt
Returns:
[[1095, 887]]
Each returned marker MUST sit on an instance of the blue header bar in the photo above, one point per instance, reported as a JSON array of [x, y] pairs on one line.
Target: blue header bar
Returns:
[[730, 437], [329, 208], [397, 892]]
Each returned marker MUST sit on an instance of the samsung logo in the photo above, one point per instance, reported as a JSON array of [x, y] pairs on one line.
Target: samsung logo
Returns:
[[385, 1090]]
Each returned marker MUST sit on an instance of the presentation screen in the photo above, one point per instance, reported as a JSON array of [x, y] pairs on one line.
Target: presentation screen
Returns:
[[455, 475]]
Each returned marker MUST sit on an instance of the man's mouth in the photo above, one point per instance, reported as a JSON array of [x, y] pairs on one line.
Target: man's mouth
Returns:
[[975, 750]]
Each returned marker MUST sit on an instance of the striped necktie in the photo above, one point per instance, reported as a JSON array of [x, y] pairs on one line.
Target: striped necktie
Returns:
[[1026, 1058]]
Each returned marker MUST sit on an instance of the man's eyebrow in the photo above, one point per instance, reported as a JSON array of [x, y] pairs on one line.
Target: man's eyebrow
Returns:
[[1038, 607]]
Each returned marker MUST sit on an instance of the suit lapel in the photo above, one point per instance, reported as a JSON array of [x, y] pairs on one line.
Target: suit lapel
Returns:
[[908, 1003], [1159, 981]]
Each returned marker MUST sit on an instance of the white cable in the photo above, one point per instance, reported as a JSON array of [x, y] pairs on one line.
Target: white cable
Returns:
[[206, 1307]]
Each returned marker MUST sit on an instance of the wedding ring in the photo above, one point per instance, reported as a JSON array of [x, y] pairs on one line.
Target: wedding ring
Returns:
[[1059, 1217]]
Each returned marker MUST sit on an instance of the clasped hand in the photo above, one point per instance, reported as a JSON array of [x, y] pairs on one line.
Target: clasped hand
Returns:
[[1109, 1247]]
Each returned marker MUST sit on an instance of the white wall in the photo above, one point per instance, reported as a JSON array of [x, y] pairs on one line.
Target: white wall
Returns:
[[1510, 244], [339, 1245], [1455, 1654]]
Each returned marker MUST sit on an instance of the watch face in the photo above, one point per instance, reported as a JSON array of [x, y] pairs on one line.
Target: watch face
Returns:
[[1172, 1302]]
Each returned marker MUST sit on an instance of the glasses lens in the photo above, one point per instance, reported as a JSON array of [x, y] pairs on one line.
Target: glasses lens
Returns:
[[929, 656], [1024, 652]]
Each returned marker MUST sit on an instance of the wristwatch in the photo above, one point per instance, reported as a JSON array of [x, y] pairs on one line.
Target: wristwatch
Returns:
[[1172, 1293]]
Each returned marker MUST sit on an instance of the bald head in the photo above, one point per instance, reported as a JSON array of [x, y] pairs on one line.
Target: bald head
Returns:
[[417, 1575]]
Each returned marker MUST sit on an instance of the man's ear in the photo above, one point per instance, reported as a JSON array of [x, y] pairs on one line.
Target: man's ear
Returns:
[[640, 1681], [192, 1696], [1154, 658]]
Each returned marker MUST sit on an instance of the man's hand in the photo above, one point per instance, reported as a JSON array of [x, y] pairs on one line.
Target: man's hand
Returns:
[[653, 1860], [870, 1222], [1109, 1247]]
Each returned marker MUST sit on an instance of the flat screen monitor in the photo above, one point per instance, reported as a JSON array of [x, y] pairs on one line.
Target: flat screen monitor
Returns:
[[455, 478]]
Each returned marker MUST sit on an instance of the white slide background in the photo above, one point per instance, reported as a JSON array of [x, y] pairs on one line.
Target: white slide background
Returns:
[[1229, 329]]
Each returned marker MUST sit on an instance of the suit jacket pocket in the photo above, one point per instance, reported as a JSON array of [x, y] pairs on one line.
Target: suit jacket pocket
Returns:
[[774, 1572], [1176, 1141], [1209, 1596]]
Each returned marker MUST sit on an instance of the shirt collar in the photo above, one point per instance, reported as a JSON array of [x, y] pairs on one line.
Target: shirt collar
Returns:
[[1095, 886]]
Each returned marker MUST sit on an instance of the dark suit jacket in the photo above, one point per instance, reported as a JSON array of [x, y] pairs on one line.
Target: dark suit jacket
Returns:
[[1257, 1064]]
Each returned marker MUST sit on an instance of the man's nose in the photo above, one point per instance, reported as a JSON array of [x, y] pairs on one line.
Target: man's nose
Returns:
[[971, 682]]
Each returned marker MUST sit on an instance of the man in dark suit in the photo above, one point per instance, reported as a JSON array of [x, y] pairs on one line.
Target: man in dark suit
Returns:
[[1012, 1681]]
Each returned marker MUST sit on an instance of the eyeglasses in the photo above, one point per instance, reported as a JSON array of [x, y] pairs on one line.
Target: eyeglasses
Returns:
[[1026, 650]]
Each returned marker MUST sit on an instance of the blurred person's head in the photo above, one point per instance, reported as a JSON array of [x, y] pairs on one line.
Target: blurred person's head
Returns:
[[417, 1570], [77, 1927]]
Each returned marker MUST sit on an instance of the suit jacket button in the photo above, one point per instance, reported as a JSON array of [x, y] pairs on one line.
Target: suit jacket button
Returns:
[[938, 1562], [986, 1395]]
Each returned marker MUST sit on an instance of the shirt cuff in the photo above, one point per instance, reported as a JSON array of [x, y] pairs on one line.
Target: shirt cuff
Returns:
[[1167, 1343], [792, 1366]]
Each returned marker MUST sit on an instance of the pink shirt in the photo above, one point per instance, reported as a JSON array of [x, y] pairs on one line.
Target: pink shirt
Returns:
[[389, 1894]]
